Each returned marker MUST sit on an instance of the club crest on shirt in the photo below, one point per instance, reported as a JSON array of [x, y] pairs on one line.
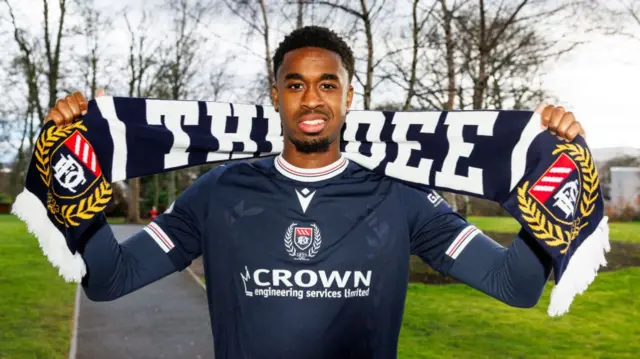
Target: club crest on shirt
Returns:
[[555, 205], [302, 242]]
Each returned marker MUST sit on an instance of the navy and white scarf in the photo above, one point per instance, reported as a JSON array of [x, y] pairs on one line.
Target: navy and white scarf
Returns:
[[549, 186]]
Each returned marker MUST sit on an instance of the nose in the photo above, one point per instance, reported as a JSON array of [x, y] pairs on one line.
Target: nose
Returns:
[[312, 98]]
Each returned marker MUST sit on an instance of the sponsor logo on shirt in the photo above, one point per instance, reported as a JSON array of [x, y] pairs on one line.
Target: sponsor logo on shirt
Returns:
[[305, 283], [302, 242], [434, 198]]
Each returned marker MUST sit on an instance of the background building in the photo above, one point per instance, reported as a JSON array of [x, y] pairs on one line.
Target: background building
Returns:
[[625, 187]]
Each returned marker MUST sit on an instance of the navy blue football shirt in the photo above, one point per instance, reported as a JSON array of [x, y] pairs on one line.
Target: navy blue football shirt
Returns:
[[309, 263]]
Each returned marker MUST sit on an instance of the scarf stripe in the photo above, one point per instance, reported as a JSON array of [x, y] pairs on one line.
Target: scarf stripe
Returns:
[[118, 132]]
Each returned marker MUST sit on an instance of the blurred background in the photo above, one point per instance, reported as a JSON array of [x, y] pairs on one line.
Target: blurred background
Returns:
[[410, 55]]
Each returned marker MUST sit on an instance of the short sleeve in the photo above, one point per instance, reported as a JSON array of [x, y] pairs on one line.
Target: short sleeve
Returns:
[[438, 233]]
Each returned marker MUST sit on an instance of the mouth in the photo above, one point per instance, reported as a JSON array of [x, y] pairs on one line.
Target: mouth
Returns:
[[312, 124]]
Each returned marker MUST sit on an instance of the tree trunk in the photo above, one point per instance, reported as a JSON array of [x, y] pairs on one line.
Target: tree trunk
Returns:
[[480, 83], [414, 56], [16, 180], [53, 55], [133, 208], [451, 78], [171, 188], [468, 210], [368, 88], [267, 51], [449, 55], [94, 70], [363, 14], [300, 14], [156, 190]]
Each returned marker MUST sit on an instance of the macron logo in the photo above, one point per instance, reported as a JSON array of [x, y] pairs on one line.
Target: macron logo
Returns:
[[304, 197]]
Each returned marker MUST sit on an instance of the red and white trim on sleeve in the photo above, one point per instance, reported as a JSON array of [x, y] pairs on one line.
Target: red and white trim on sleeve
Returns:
[[159, 236], [461, 241]]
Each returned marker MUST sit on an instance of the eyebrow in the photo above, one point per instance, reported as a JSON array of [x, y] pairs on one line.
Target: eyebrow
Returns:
[[297, 76], [326, 76]]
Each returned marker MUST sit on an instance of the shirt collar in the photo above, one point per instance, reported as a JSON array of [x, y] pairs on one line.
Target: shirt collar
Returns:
[[310, 174]]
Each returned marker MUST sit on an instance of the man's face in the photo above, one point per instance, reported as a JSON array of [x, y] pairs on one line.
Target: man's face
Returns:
[[312, 94]]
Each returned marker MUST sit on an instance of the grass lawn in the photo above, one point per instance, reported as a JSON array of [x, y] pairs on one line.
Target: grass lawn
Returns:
[[36, 305], [618, 231], [454, 321]]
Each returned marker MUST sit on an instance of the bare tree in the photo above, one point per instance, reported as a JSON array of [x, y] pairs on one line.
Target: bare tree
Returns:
[[39, 56], [449, 41], [408, 59], [255, 14], [219, 82], [366, 13], [91, 59], [31, 63], [505, 42], [429, 76], [53, 54], [27, 62], [15, 122], [32, 52], [633, 9], [19, 165], [300, 13]]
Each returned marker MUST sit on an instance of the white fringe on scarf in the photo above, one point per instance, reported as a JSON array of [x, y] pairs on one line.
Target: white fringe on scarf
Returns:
[[30, 210], [581, 270]]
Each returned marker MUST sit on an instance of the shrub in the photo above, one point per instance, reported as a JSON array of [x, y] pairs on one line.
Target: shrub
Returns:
[[623, 211]]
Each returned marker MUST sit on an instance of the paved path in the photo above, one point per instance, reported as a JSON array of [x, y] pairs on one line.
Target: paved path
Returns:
[[167, 319]]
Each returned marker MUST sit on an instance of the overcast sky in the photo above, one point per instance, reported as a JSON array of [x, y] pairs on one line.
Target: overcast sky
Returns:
[[598, 81]]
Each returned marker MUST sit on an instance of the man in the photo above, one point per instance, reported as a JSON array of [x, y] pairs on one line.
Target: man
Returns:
[[306, 255]]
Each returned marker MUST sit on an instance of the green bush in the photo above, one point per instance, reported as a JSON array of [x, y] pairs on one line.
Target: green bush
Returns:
[[5, 198]]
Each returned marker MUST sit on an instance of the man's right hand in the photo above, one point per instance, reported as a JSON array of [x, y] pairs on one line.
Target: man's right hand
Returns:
[[69, 109]]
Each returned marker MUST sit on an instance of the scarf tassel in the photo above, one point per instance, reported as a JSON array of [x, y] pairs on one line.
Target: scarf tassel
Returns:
[[581, 270], [53, 244]]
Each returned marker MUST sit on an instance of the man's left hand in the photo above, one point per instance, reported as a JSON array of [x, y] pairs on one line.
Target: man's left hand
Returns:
[[560, 123]]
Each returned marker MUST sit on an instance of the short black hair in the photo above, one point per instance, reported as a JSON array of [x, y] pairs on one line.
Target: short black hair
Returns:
[[314, 36]]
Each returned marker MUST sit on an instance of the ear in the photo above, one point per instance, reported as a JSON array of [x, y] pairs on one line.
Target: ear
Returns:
[[274, 97], [349, 97]]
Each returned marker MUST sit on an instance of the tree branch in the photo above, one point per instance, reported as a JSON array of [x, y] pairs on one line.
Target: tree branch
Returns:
[[341, 7]]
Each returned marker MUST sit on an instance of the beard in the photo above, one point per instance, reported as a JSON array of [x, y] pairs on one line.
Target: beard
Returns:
[[312, 146]]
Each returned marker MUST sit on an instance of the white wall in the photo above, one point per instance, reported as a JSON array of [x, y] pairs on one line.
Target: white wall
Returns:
[[625, 186]]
